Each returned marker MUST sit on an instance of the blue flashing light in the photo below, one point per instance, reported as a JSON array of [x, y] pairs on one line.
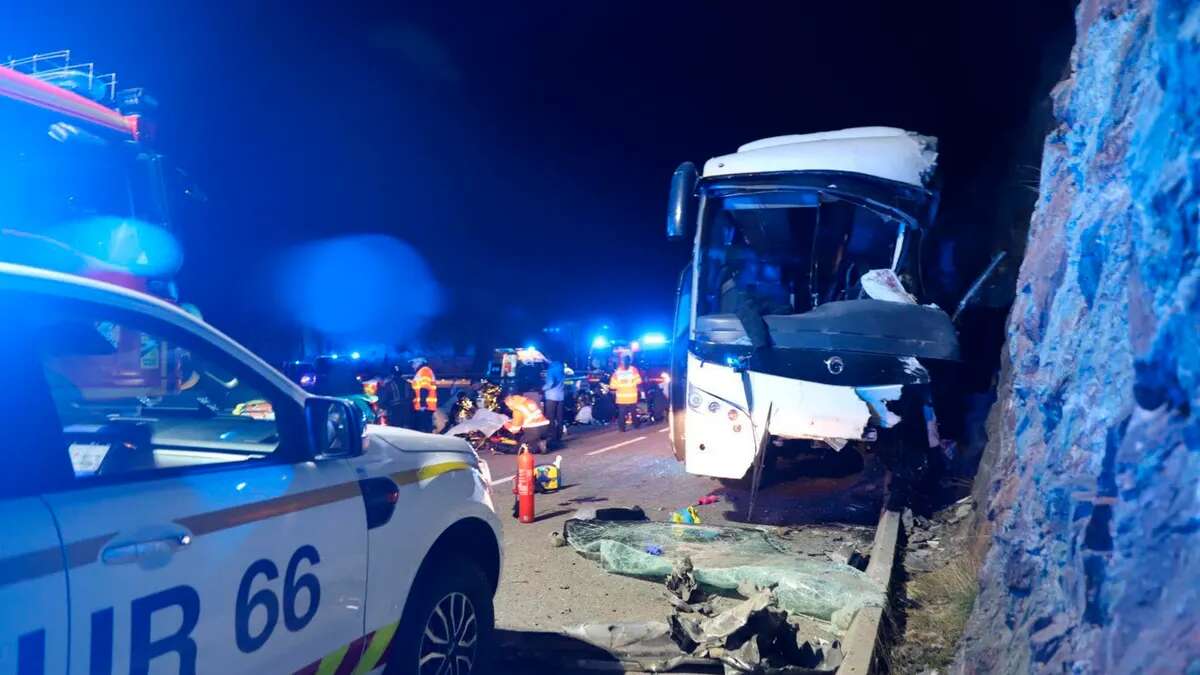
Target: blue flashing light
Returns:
[[654, 339], [355, 355], [335, 356], [599, 342]]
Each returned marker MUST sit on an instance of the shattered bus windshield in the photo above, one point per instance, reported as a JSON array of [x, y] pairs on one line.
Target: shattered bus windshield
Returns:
[[788, 251]]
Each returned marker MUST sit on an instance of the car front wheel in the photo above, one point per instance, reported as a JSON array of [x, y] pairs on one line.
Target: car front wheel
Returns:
[[447, 622]]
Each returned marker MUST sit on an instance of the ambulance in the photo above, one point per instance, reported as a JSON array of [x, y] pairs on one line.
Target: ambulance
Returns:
[[233, 523]]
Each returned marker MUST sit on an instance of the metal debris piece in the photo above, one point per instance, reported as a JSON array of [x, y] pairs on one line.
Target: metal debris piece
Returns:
[[681, 582], [753, 637]]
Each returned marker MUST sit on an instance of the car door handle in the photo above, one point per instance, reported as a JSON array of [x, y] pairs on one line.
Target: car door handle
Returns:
[[140, 550]]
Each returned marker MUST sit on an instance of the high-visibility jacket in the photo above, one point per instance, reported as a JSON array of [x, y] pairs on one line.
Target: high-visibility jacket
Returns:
[[526, 414], [424, 382], [624, 383]]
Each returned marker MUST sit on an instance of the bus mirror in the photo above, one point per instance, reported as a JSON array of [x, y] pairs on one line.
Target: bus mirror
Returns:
[[681, 209]]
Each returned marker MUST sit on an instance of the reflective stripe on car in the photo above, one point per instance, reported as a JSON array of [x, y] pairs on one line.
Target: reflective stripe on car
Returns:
[[47, 561], [357, 658]]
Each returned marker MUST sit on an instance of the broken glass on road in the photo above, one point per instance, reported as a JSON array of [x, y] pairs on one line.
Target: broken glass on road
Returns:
[[724, 558]]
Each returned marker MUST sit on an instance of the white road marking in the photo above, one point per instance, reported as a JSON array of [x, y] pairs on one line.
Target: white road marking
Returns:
[[663, 431], [504, 480], [618, 445]]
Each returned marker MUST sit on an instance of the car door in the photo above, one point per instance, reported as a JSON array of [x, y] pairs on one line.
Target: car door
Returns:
[[33, 640], [34, 629], [216, 544]]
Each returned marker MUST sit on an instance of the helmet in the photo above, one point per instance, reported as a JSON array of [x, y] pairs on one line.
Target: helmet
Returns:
[[417, 361]]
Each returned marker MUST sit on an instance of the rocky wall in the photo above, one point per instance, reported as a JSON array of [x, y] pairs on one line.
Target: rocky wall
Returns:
[[1092, 477]]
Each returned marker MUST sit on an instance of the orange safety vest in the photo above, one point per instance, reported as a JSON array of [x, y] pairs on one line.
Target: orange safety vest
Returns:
[[625, 383], [526, 414], [424, 381]]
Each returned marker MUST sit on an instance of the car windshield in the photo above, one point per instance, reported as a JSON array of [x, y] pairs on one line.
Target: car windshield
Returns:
[[788, 250]]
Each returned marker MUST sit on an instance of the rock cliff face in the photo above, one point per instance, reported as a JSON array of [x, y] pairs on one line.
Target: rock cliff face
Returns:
[[1093, 488]]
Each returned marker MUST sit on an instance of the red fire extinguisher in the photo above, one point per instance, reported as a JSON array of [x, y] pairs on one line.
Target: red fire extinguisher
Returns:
[[525, 485]]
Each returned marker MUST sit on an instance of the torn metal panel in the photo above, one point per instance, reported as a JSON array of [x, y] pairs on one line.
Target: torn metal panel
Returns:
[[914, 367], [885, 285], [801, 409], [810, 410], [876, 399]]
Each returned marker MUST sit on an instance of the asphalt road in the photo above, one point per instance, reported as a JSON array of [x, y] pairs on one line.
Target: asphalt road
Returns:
[[544, 588]]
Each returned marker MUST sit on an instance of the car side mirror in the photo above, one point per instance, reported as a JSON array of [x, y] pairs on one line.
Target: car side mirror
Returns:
[[681, 205], [335, 427]]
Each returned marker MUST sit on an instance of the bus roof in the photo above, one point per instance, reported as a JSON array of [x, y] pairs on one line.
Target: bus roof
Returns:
[[883, 152]]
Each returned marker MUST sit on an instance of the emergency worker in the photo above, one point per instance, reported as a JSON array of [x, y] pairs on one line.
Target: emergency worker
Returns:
[[527, 421], [624, 382], [393, 399], [554, 391], [424, 390]]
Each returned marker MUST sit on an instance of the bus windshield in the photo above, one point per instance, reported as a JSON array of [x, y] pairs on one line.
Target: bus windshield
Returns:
[[788, 250]]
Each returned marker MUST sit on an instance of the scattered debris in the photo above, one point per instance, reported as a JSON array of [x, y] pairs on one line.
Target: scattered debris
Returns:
[[721, 558], [687, 515], [556, 539], [753, 637], [681, 582], [707, 499], [654, 550], [849, 556], [611, 514], [647, 644]]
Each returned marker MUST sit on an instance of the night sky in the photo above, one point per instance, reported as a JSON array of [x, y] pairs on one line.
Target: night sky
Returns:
[[523, 149]]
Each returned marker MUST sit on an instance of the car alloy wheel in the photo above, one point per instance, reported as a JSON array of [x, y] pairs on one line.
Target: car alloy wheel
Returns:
[[448, 645]]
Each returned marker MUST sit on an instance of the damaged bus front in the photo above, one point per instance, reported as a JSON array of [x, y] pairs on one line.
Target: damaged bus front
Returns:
[[800, 321]]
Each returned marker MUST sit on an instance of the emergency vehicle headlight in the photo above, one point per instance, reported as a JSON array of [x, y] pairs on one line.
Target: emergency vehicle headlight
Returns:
[[654, 339]]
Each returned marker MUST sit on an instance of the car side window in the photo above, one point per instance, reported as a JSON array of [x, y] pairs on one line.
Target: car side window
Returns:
[[135, 397]]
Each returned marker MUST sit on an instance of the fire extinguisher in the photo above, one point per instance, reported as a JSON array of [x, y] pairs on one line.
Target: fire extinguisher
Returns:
[[524, 485]]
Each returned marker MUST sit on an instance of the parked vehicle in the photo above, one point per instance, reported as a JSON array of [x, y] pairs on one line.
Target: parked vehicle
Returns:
[[226, 523]]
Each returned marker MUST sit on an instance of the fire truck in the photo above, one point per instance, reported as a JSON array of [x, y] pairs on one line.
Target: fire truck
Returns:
[[83, 191]]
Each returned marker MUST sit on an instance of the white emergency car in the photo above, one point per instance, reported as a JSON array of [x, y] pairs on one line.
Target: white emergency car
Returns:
[[181, 507]]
